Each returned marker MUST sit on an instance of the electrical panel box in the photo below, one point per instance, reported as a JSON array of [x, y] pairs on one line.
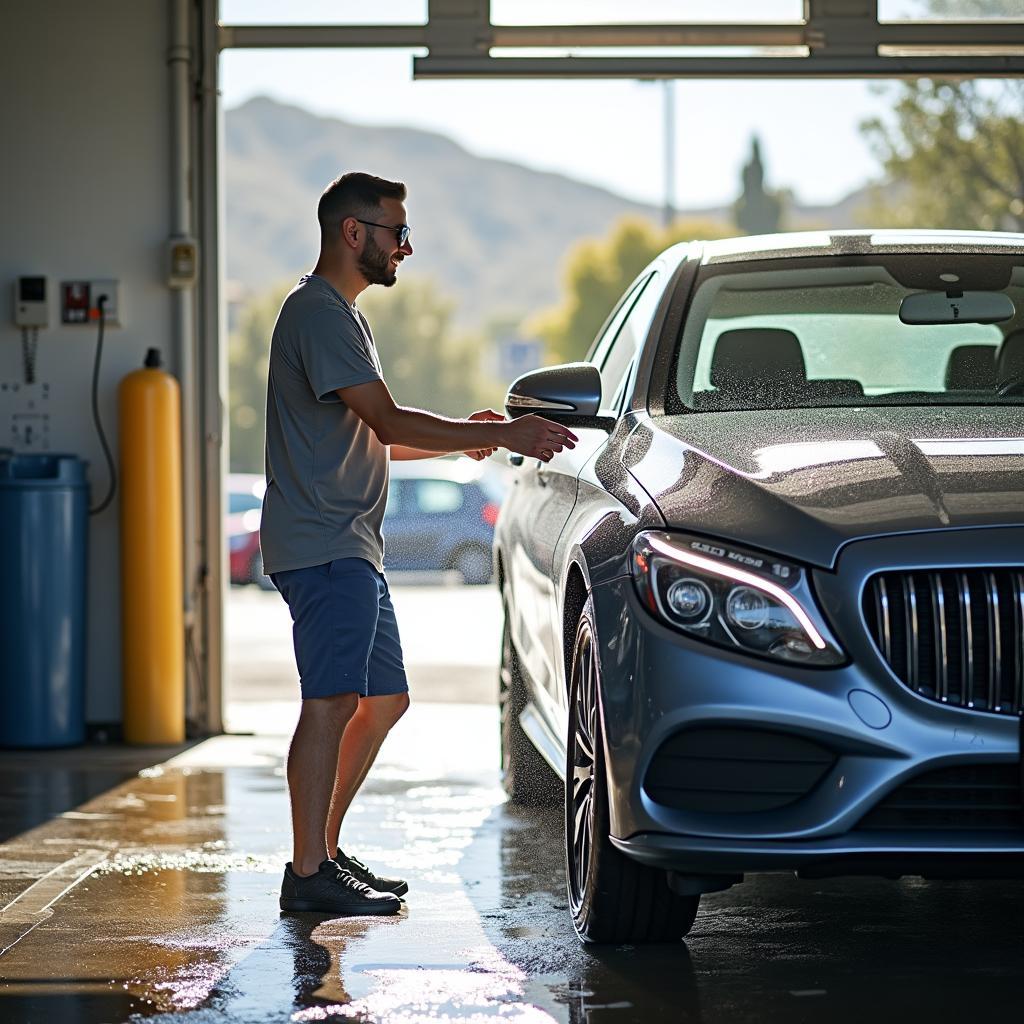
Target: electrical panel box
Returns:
[[30, 305], [183, 262], [79, 302]]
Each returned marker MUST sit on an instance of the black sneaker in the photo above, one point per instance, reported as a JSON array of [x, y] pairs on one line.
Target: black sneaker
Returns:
[[333, 890], [367, 877]]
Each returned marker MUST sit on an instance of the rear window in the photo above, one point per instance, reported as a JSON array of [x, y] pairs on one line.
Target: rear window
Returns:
[[823, 336], [438, 496]]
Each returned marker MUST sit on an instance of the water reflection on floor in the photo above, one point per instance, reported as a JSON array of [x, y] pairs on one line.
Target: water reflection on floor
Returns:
[[179, 920]]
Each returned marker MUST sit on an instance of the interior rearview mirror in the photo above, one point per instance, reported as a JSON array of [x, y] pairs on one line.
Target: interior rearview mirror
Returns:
[[956, 308]]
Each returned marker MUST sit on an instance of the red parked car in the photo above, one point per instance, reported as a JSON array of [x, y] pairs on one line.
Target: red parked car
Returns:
[[242, 526]]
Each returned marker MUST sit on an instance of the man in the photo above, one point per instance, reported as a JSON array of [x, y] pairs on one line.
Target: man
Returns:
[[332, 427]]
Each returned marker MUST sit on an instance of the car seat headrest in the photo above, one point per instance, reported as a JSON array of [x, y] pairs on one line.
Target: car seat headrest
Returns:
[[971, 368], [756, 357], [1010, 357]]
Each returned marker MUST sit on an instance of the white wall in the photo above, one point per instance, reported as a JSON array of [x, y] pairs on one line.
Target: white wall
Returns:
[[84, 193]]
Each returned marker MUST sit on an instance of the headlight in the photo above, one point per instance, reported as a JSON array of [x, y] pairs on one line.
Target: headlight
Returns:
[[732, 597]]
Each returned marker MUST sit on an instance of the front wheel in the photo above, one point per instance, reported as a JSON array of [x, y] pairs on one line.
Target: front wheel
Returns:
[[474, 563], [612, 898]]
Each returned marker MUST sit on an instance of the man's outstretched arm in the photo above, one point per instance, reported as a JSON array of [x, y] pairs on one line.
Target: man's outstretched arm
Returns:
[[402, 453], [393, 424]]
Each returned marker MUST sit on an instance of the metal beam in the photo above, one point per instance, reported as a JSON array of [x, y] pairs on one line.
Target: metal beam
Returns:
[[825, 34], [287, 37], [998, 65]]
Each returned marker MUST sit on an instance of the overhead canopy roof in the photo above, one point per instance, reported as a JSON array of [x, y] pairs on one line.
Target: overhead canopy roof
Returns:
[[832, 39]]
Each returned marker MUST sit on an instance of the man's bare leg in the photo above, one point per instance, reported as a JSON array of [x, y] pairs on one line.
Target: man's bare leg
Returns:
[[359, 748], [312, 766]]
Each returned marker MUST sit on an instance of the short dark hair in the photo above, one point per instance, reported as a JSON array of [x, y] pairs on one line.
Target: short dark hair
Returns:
[[354, 195]]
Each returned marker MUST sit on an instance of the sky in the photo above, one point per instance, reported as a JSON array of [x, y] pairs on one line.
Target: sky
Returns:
[[608, 133]]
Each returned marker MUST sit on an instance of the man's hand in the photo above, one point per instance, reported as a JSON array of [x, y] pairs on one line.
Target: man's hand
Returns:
[[537, 437], [484, 416]]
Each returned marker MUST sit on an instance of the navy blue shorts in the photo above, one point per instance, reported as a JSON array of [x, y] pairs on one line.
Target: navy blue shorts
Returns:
[[344, 629]]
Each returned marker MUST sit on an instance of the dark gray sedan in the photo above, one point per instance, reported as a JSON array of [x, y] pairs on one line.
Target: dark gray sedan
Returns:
[[769, 613]]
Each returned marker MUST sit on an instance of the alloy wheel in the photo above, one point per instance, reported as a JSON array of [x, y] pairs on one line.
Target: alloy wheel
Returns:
[[580, 789]]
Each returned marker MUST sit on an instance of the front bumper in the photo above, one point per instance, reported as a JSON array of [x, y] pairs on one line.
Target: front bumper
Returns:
[[657, 683], [936, 855]]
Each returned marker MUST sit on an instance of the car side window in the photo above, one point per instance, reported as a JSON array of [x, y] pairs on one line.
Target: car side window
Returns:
[[631, 335], [600, 347], [437, 497]]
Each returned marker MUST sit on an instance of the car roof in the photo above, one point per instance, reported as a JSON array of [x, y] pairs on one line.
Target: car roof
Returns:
[[886, 241]]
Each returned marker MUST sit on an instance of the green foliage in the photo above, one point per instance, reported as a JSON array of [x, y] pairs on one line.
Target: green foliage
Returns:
[[248, 354], [955, 152], [598, 271], [427, 363]]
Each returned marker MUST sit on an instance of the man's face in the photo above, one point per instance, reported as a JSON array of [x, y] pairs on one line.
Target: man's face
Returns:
[[378, 262]]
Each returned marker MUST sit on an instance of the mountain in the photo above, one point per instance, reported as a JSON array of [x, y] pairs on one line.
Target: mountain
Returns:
[[493, 234]]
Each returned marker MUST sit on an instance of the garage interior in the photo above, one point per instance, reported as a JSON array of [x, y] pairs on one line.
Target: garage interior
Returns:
[[112, 176]]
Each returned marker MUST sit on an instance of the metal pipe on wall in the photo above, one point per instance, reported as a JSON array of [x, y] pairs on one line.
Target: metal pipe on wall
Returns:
[[179, 60]]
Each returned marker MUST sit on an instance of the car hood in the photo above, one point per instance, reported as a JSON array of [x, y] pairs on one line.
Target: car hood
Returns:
[[803, 482]]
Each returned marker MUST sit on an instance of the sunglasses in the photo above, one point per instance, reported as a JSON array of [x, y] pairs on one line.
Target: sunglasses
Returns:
[[401, 230]]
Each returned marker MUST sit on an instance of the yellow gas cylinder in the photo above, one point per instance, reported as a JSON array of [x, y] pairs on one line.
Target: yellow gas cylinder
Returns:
[[152, 626]]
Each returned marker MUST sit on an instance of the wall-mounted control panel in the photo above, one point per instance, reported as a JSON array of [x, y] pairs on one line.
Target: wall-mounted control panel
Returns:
[[80, 302], [27, 411], [30, 302]]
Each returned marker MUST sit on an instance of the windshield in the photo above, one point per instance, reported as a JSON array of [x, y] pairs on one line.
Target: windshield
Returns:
[[827, 336]]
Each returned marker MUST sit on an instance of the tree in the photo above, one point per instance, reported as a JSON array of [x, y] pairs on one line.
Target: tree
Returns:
[[598, 271], [427, 362], [248, 354], [953, 151], [757, 211]]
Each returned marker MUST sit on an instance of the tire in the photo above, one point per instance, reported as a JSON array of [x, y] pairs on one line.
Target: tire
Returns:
[[527, 778], [475, 564], [612, 898]]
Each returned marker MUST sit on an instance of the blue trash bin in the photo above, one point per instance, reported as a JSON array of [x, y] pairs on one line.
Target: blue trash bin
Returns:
[[44, 528]]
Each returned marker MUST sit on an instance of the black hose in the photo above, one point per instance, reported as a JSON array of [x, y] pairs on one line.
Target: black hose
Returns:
[[101, 304]]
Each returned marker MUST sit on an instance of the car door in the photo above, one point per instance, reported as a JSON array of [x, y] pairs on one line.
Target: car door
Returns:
[[616, 361], [398, 543], [435, 515], [544, 494]]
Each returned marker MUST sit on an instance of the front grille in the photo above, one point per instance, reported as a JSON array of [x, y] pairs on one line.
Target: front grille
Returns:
[[954, 636], [965, 797], [734, 771]]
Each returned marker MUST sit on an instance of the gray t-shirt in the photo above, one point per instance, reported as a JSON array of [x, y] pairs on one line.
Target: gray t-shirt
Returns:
[[327, 472]]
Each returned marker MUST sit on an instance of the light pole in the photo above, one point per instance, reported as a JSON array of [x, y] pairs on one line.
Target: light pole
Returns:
[[670, 150]]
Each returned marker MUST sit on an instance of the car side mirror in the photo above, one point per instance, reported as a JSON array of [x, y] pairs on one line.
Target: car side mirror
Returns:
[[569, 394]]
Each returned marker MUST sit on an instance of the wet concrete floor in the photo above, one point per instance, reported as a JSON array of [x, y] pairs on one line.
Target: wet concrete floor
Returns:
[[157, 900]]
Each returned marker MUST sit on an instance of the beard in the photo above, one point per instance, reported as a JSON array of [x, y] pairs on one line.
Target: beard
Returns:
[[375, 264]]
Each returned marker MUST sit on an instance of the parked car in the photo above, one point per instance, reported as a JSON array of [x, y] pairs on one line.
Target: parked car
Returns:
[[441, 515], [242, 527], [769, 613]]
